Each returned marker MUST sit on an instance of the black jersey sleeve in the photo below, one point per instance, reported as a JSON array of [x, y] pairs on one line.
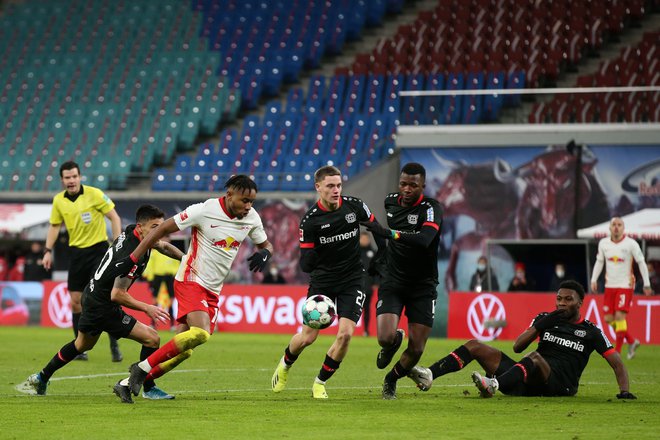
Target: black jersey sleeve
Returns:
[[601, 344], [308, 256]]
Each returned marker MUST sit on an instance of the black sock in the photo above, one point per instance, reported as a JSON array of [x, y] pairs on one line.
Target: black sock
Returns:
[[289, 358], [516, 374], [396, 373], [113, 342], [328, 369], [63, 357], [454, 361], [75, 317], [145, 353]]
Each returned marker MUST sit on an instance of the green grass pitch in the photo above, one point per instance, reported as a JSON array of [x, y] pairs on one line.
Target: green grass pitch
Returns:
[[223, 391]]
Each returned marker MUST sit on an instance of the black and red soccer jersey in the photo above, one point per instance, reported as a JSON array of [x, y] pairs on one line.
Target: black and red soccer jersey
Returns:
[[407, 264], [568, 346], [97, 291], [335, 236]]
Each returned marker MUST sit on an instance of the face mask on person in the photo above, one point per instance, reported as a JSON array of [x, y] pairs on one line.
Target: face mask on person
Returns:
[[481, 267], [560, 273], [520, 274]]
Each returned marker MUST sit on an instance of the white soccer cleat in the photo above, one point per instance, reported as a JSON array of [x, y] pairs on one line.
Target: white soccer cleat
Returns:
[[487, 386], [422, 377]]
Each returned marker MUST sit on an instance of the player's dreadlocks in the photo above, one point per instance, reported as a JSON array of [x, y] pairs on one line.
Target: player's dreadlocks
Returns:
[[241, 182]]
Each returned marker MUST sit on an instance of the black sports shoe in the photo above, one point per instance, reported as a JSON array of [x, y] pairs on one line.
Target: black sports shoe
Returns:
[[136, 378], [122, 392], [116, 353], [385, 355], [389, 389]]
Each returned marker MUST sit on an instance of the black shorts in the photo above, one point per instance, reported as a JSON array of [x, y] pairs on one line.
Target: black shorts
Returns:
[[348, 297], [419, 302], [111, 319], [83, 264], [557, 385]]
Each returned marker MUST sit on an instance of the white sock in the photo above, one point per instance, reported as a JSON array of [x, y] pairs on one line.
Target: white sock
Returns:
[[124, 382], [144, 365], [317, 380]]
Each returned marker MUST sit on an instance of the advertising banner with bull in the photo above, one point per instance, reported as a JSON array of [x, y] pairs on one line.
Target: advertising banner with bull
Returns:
[[533, 192], [490, 316]]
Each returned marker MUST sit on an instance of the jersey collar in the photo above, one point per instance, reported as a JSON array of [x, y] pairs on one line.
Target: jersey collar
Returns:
[[224, 207], [76, 195], [421, 197], [622, 238], [135, 232], [323, 208]]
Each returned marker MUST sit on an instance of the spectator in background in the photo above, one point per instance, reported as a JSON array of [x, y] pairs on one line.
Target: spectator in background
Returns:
[[273, 276], [480, 281], [558, 277], [34, 269], [16, 272], [521, 282]]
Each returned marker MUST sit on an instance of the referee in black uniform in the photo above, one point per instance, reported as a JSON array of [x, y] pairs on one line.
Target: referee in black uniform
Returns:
[[82, 209]]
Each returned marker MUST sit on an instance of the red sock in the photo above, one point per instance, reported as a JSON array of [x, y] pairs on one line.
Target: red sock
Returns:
[[164, 353], [620, 336], [155, 373], [629, 338]]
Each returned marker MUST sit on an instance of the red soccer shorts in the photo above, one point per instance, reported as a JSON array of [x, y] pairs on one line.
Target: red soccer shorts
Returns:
[[192, 297], [617, 298]]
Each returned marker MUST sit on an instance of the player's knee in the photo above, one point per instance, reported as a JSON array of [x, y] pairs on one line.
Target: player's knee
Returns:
[[386, 340], [198, 336], [343, 339], [153, 339]]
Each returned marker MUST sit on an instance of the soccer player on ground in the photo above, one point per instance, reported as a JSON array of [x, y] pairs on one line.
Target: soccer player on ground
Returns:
[[411, 274], [219, 227], [330, 253], [102, 299], [616, 253], [81, 208], [566, 341]]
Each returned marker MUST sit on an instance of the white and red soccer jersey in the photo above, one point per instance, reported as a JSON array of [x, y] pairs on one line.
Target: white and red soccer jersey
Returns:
[[618, 258], [215, 239]]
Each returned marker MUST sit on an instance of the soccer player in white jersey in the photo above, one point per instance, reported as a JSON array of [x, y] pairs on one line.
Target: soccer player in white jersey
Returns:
[[219, 227], [616, 253]]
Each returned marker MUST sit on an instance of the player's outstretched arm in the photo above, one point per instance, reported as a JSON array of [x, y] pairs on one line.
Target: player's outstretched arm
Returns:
[[165, 228], [168, 249], [524, 339], [119, 294], [421, 238], [621, 373]]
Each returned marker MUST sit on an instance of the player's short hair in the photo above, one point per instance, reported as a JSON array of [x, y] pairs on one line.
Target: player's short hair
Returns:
[[414, 168], [68, 165], [148, 212], [573, 285], [327, 170], [241, 182]]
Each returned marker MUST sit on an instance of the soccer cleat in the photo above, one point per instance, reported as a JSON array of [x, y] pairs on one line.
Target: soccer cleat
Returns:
[[389, 390], [34, 385], [632, 348], [385, 355], [136, 378], [116, 354], [278, 382], [81, 357], [422, 377], [156, 393], [123, 392], [487, 386], [318, 391]]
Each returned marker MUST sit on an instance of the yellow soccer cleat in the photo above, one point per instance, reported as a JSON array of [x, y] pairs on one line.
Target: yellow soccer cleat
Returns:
[[318, 391], [280, 375]]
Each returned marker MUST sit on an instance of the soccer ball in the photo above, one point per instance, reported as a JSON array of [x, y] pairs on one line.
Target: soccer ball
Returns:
[[318, 312]]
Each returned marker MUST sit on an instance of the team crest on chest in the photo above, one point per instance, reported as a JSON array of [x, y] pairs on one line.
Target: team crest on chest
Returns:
[[351, 218], [580, 333], [412, 219]]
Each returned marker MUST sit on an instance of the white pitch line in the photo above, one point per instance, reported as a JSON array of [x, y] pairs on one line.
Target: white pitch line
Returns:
[[91, 376]]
